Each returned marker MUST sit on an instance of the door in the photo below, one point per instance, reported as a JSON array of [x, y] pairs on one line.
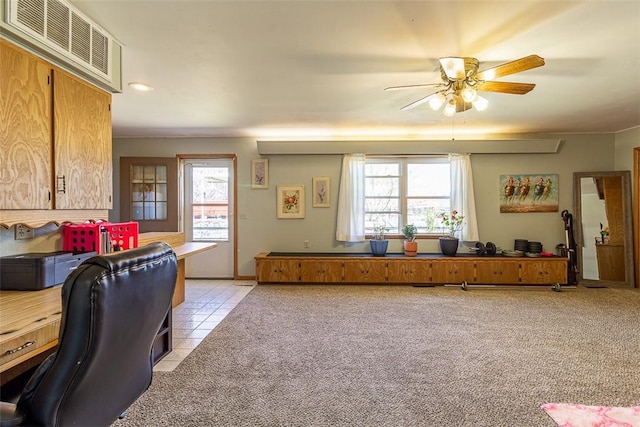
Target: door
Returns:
[[149, 192], [208, 216]]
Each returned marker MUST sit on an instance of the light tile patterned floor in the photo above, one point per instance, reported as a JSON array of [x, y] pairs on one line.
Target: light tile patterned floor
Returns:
[[206, 303]]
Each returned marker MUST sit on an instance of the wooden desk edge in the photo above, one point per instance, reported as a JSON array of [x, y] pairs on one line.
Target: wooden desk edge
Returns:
[[192, 248]]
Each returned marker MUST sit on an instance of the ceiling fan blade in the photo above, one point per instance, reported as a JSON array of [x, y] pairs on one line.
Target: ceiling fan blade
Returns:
[[418, 102], [462, 105], [505, 87], [453, 67], [517, 66], [413, 86]]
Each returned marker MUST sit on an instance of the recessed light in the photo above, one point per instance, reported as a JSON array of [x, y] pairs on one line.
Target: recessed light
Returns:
[[143, 87]]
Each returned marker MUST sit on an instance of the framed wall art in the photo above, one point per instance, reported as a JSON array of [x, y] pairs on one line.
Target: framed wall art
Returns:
[[321, 191], [290, 201], [260, 173], [520, 193]]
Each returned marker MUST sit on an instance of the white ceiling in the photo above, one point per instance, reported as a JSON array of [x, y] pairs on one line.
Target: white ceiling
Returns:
[[301, 68]]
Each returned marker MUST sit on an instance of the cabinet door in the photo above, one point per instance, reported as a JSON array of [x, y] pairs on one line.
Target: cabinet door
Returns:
[[25, 130], [543, 271], [277, 270], [365, 271], [82, 144], [321, 271], [452, 271], [497, 272], [414, 271]]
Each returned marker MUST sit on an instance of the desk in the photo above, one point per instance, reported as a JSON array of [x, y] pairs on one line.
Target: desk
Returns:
[[183, 251], [30, 320], [29, 324]]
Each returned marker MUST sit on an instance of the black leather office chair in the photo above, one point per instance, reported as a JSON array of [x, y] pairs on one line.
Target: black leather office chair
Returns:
[[112, 308]]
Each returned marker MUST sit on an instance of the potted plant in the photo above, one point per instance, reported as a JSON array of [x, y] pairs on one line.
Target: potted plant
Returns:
[[452, 223], [379, 244], [410, 245]]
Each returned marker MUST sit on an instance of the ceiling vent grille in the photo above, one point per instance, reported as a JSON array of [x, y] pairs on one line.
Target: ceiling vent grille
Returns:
[[60, 26]]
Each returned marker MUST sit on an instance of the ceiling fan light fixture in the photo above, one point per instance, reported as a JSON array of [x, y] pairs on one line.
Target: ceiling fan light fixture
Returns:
[[436, 101], [469, 94], [450, 109], [480, 103], [453, 68]]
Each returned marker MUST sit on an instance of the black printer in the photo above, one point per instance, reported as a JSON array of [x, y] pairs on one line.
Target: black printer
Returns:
[[35, 271]]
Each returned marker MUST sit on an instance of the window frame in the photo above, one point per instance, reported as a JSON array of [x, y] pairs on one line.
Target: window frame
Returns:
[[403, 197]]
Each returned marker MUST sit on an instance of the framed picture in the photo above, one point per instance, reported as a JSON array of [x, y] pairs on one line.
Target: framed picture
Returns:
[[520, 193], [290, 201], [260, 173], [321, 191]]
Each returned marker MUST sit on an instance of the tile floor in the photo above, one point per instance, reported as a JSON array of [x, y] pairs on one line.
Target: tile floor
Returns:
[[206, 303]]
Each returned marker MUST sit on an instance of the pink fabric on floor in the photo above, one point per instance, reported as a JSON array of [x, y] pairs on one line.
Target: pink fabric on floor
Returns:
[[576, 415]]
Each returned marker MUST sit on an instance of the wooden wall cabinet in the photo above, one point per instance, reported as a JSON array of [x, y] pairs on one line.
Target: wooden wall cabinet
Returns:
[[278, 270], [25, 130], [325, 271], [498, 271], [363, 270], [426, 269], [55, 143], [541, 271], [408, 272], [82, 141], [452, 270]]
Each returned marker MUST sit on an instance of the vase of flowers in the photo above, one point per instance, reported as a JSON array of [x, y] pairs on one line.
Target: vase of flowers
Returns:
[[452, 223], [604, 234], [379, 244], [410, 245]]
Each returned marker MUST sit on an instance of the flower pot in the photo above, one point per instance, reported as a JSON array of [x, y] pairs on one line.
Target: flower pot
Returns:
[[410, 248], [379, 247], [449, 245]]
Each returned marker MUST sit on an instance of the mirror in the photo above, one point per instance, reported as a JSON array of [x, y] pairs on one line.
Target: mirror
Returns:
[[603, 228]]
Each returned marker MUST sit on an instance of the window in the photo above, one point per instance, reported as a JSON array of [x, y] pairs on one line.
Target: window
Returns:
[[209, 203], [149, 192], [401, 191]]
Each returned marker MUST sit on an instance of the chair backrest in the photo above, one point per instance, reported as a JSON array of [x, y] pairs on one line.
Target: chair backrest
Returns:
[[112, 308]]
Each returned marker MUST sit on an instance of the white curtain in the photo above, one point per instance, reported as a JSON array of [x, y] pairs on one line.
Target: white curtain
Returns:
[[350, 226], [462, 198]]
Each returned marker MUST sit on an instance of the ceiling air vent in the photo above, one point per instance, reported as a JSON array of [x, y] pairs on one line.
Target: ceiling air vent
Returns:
[[60, 26]]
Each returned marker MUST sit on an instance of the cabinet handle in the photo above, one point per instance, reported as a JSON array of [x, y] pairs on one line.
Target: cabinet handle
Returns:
[[22, 347], [61, 188]]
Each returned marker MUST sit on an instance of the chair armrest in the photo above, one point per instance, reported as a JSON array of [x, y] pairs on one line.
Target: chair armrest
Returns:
[[8, 415]]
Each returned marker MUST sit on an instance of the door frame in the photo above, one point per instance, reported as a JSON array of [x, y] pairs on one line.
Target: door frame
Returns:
[[234, 159], [635, 188]]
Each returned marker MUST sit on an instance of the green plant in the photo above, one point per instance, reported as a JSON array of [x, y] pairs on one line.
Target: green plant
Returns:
[[452, 222], [378, 232], [410, 232]]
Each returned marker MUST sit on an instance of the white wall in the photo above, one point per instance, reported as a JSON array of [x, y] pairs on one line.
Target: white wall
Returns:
[[259, 230]]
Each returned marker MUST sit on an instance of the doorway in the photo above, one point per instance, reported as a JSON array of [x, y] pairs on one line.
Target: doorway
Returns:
[[208, 212]]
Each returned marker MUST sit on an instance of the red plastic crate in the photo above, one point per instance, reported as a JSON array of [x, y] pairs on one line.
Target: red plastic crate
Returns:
[[87, 237]]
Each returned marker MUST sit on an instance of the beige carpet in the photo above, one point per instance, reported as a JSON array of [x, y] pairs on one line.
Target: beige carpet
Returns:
[[321, 355]]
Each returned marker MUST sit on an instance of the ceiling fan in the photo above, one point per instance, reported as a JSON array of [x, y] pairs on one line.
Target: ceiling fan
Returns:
[[462, 82]]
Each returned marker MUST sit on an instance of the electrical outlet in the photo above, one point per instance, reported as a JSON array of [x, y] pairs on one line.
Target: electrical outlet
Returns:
[[23, 232], [306, 244]]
